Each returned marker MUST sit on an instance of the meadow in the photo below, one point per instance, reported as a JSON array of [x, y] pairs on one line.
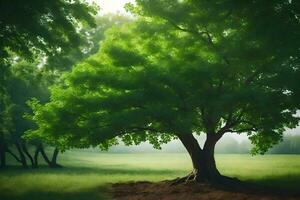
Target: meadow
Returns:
[[88, 175]]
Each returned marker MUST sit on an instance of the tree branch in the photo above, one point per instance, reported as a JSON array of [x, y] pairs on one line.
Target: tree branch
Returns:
[[13, 155], [252, 129], [185, 29], [145, 129]]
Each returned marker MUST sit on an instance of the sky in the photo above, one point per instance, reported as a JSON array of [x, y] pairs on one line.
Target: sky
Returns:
[[111, 6]]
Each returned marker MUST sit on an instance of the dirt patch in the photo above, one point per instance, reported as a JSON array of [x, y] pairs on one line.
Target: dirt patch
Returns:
[[191, 191]]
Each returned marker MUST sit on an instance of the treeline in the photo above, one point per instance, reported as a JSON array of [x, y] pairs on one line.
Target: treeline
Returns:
[[289, 145], [228, 145]]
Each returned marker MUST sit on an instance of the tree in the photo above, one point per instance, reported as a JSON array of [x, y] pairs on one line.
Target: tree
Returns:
[[184, 68], [5, 119], [25, 81], [36, 29]]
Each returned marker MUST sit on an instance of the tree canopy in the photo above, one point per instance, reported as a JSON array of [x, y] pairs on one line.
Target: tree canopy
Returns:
[[184, 68], [50, 27]]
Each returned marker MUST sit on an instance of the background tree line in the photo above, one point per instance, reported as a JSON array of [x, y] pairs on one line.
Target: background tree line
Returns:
[[228, 145]]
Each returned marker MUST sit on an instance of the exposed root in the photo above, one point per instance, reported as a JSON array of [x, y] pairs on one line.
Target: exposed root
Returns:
[[189, 178], [217, 180]]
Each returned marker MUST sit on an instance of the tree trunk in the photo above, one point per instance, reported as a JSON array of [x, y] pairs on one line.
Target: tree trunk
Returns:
[[53, 162], [203, 160], [44, 155], [54, 159], [12, 154], [212, 172], [2, 152], [22, 156], [24, 148], [36, 156]]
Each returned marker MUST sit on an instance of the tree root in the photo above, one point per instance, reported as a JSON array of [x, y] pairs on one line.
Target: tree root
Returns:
[[186, 179], [218, 180]]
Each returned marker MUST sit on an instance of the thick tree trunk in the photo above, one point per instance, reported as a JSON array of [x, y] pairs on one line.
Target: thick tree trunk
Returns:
[[21, 154], [203, 160]]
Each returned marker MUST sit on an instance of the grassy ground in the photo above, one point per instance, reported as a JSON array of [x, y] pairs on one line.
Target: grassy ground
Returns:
[[88, 175]]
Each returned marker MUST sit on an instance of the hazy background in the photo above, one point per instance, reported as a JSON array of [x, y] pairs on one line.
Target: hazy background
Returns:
[[229, 144]]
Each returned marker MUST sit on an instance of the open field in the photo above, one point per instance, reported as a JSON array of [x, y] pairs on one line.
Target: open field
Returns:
[[88, 175]]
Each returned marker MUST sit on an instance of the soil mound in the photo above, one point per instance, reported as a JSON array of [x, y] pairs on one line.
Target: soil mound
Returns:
[[192, 191]]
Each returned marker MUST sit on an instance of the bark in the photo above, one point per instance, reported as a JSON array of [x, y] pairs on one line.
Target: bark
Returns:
[[203, 160], [21, 155]]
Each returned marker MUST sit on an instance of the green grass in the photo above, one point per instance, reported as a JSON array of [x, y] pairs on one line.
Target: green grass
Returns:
[[88, 175]]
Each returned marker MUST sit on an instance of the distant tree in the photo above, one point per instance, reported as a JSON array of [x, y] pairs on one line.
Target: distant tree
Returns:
[[184, 68], [228, 145], [26, 81], [35, 29], [5, 120], [289, 145]]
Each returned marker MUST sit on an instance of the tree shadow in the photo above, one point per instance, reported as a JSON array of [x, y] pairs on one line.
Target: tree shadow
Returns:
[[99, 193], [99, 170], [282, 186], [287, 185]]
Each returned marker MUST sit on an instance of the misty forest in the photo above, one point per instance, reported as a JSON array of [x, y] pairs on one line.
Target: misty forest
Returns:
[[149, 99]]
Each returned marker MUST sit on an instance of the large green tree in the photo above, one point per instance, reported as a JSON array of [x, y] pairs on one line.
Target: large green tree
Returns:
[[184, 68]]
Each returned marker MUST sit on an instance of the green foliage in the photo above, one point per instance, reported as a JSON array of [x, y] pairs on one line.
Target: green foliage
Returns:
[[91, 36], [37, 26], [25, 82], [183, 67]]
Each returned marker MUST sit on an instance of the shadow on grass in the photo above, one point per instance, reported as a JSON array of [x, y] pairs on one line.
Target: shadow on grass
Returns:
[[88, 194], [280, 184], [285, 184], [74, 170]]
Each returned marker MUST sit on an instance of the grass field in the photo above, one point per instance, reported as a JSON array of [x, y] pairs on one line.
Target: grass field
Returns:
[[88, 175]]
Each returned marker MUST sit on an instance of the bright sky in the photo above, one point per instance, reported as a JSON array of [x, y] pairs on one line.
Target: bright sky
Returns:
[[111, 6]]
